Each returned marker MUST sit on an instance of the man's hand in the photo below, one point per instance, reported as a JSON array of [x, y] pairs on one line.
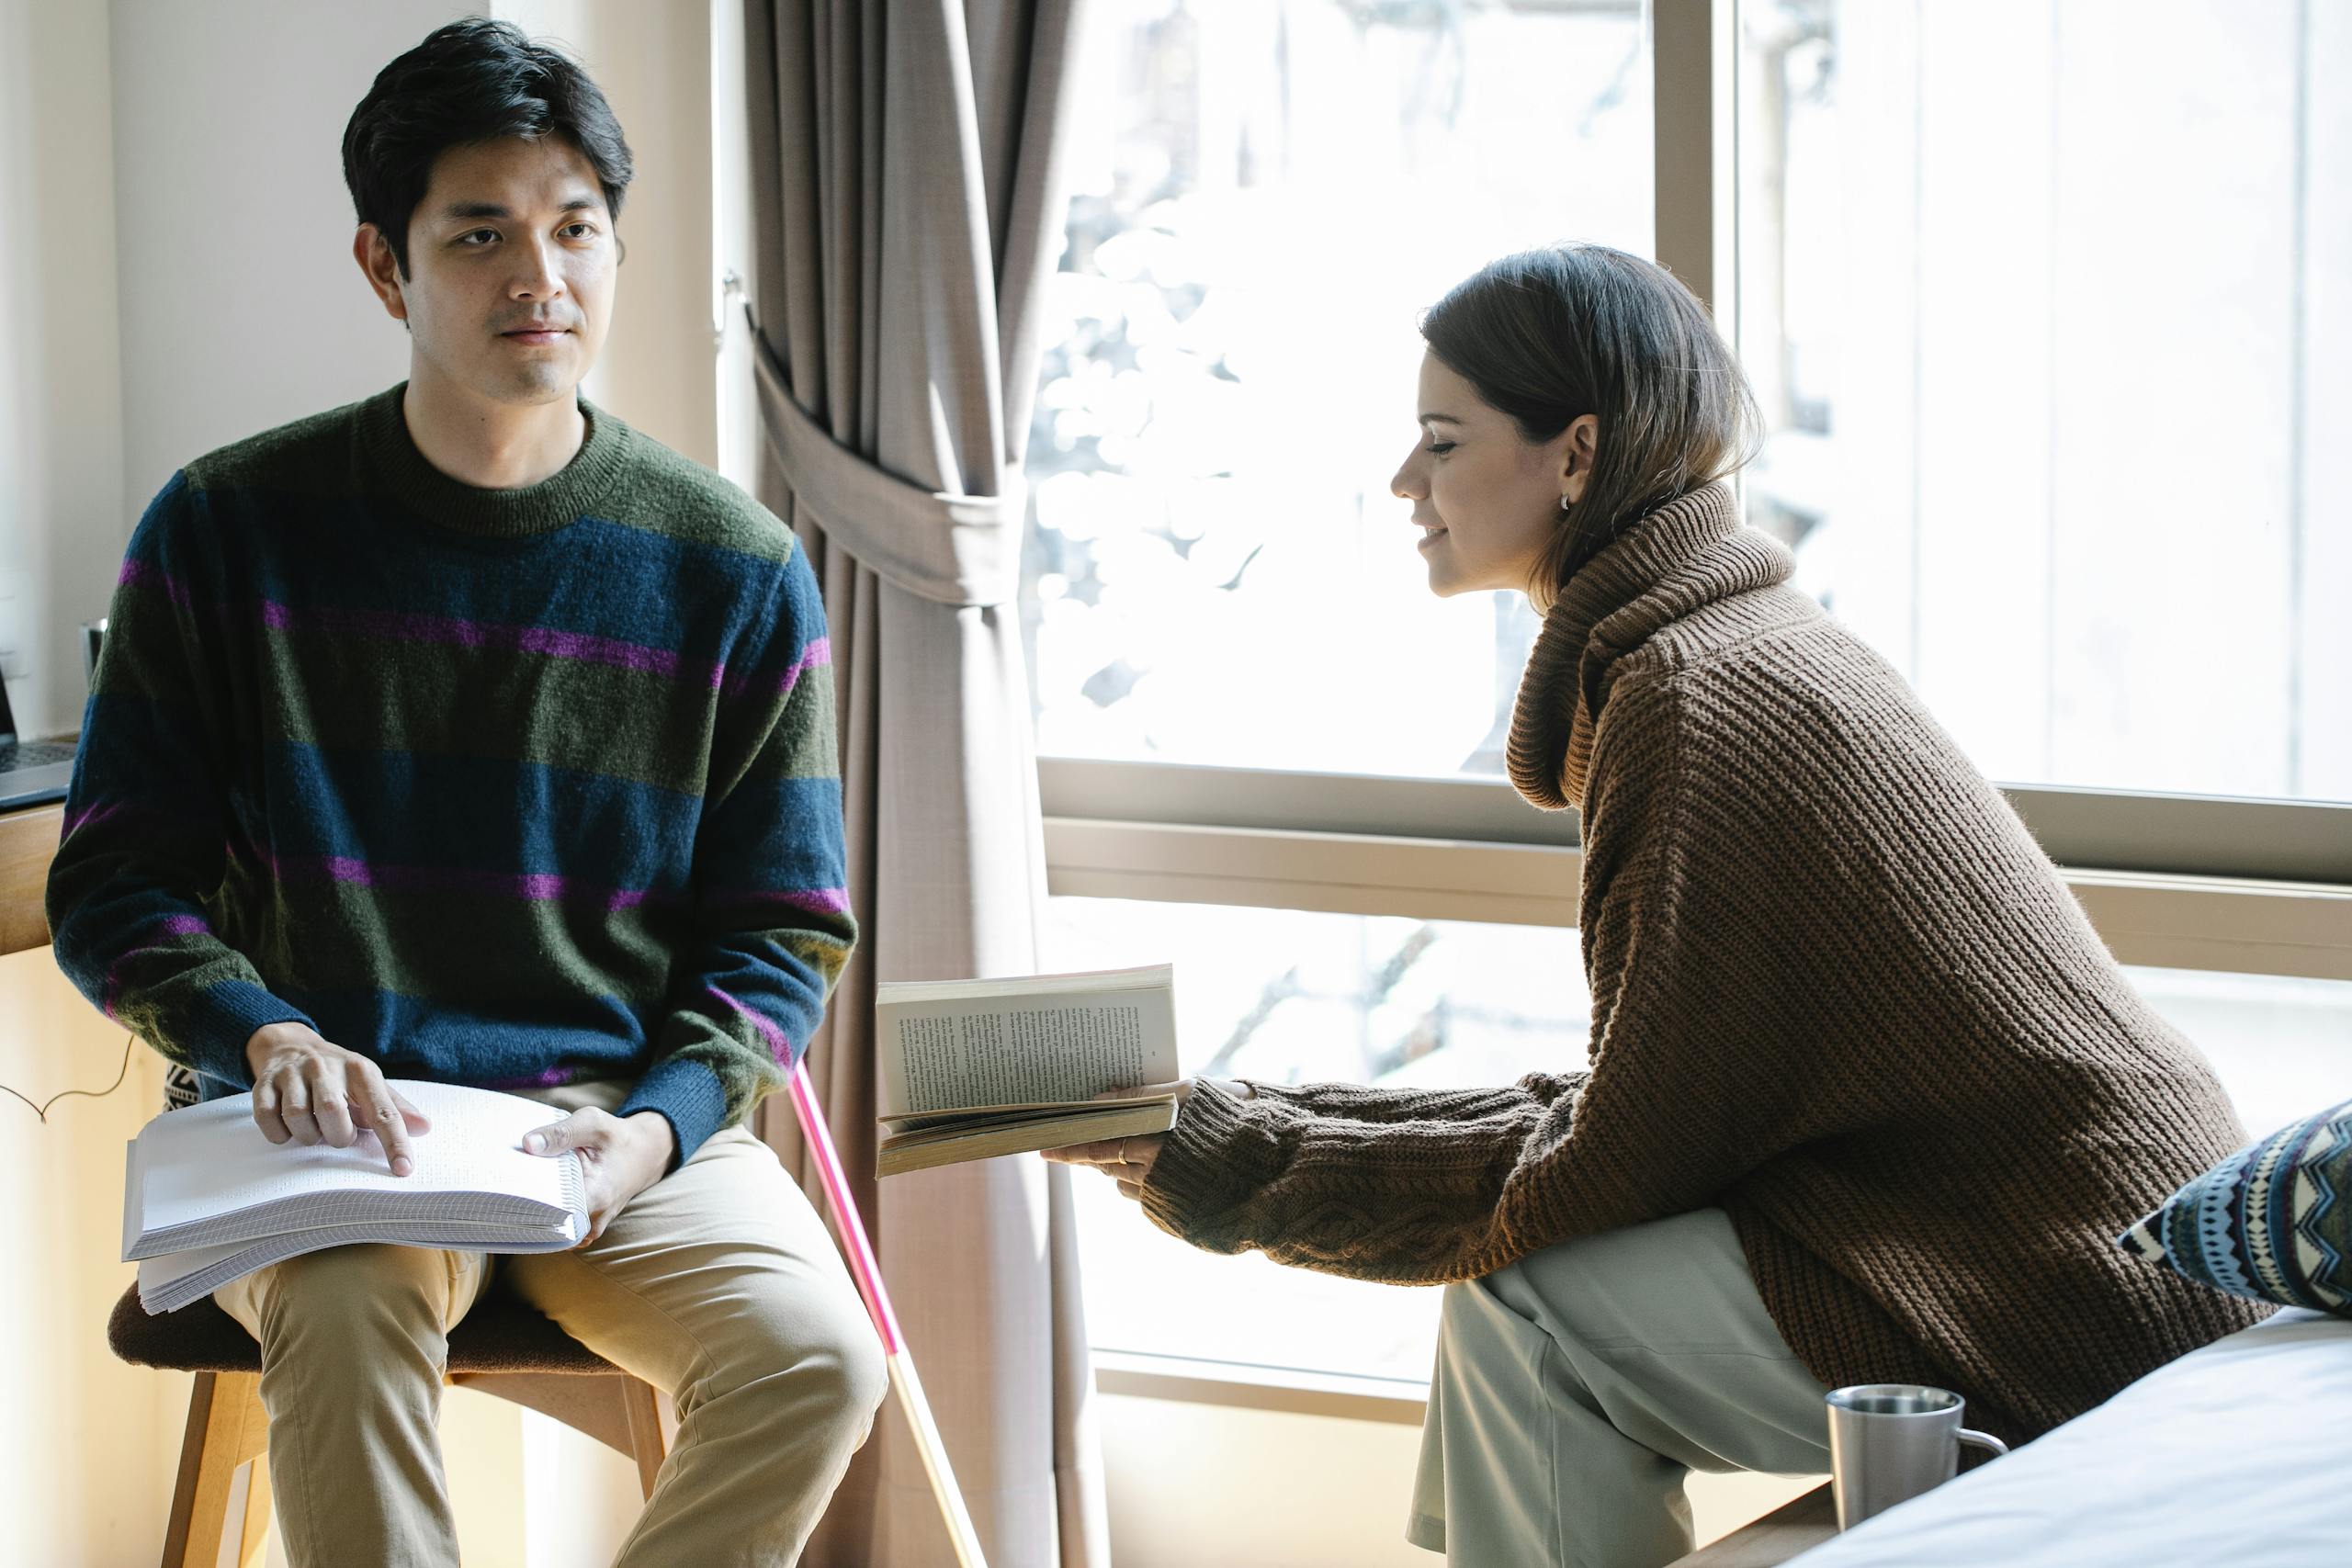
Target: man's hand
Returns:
[[620, 1156], [311, 1092], [1128, 1161]]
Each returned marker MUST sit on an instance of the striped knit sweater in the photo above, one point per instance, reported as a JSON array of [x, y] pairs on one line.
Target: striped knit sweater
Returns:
[[1837, 990], [497, 788]]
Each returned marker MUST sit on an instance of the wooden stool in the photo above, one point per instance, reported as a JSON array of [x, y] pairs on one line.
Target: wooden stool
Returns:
[[502, 1347], [1799, 1525]]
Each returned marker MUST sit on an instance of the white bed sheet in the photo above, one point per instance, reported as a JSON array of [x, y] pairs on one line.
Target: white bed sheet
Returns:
[[2240, 1452]]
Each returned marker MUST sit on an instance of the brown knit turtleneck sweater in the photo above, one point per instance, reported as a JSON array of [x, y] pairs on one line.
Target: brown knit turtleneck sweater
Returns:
[[1837, 990]]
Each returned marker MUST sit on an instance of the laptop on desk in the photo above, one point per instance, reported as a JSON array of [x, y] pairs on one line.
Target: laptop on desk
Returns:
[[33, 773]]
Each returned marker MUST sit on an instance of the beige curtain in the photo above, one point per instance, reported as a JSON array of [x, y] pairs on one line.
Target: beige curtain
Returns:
[[905, 157]]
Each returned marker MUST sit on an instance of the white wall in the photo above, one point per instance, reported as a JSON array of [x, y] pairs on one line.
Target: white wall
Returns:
[[88, 1443], [61, 393], [241, 306], [653, 57]]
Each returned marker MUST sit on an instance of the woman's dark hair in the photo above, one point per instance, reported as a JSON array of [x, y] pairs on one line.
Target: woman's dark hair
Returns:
[[474, 79], [1552, 334]]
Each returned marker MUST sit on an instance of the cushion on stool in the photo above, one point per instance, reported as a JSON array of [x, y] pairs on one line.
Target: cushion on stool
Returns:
[[503, 1334]]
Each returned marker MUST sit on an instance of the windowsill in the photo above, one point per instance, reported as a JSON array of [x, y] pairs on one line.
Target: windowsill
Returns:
[[1239, 1385]]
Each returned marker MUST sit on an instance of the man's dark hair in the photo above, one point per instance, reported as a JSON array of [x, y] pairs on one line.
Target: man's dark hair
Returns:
[[472, 81]]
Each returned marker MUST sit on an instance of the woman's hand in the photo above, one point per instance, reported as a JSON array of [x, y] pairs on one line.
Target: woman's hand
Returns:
[[1128, 1160]]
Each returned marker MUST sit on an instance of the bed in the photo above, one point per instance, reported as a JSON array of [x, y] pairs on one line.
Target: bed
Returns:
[[2240, 1452]]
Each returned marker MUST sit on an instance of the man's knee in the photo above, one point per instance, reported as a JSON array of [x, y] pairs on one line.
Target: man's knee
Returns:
[[867, 1381], [854, 1379], [803, 1367], [357, 1294]]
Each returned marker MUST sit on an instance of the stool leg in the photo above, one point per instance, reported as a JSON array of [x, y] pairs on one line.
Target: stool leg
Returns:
[[226, 1427], [253, 1545], [644, 1431]]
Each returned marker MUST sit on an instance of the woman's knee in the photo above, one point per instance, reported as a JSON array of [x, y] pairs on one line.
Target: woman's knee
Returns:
[[1471, 1312]]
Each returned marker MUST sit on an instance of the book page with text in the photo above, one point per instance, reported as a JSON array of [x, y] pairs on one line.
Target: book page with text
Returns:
[[945, 1055]]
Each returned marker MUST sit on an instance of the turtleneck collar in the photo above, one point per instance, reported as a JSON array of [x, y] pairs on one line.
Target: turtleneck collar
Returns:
[[578, 487], [1686, 555]]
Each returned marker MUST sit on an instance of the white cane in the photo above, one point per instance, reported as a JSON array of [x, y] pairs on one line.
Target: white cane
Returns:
[[868, 1275]]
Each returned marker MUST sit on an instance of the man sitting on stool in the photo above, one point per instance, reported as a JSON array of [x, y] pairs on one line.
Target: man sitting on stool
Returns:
[[466, 734]]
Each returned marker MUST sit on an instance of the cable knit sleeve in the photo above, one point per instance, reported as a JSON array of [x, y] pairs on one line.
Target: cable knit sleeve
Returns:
[[1421, 1186]]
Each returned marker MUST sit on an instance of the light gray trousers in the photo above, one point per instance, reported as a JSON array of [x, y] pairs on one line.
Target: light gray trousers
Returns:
[[1576, 1388]]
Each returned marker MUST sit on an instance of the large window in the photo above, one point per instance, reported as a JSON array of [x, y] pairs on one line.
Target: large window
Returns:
[[1268, 192], [2049, 306], [2045, 304]]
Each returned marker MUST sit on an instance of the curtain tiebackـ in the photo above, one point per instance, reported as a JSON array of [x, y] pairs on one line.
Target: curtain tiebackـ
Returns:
[[963, 550]]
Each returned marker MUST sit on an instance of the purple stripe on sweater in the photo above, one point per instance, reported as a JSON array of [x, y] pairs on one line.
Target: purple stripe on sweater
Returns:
[[91, 816], [816, 655], [779, 1046], [814, 901], [542, 886], [402, 625], [143, 574], [550, 1078], [174, 925]]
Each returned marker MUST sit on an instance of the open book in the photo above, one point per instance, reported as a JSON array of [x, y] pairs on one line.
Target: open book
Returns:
[[976, 1068], [207, 1198]]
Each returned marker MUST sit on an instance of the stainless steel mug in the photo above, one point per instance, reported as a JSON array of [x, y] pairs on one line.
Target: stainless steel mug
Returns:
[[1890, 1441]]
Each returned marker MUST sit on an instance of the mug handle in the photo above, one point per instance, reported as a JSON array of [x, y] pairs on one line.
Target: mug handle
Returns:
[[1983, 1440]]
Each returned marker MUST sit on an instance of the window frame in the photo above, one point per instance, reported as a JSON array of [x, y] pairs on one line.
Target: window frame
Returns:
[[2177, 881], [2180, 882]]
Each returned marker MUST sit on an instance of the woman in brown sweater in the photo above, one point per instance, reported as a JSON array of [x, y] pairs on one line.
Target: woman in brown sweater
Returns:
[[1865, 1100]]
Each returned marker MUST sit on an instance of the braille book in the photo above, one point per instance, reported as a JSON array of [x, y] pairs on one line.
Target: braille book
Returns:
[[208, 1200]]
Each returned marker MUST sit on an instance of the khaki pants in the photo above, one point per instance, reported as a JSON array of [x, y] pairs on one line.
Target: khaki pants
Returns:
[[1576, 1388], [717, 1284]]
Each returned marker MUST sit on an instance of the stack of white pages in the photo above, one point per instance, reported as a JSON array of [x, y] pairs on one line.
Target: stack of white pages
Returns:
[[207, 1198]]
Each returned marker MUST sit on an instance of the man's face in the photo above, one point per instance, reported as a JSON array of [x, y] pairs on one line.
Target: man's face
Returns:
[[510, 260]]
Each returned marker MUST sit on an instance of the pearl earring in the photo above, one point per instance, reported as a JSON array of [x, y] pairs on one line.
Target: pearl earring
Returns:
[[1564, 503]]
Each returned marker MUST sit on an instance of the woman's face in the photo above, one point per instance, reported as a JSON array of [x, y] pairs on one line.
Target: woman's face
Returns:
[[1485, 499]]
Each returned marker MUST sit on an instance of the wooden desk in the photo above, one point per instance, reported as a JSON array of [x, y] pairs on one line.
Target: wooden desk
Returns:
[[1794, 1526], [28, 844]]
